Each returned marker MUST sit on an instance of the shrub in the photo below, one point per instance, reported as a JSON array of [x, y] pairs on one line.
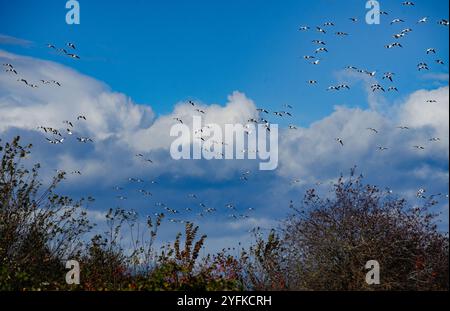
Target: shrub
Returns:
[[330, 240], [38, 228]]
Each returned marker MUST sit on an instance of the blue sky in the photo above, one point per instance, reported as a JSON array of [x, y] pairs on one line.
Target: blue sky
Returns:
[[161, 52], [141, 59]]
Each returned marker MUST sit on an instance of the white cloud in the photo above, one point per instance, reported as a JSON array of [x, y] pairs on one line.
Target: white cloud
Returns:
[[122, 128], [109, 113], [438, 77], [237, 110], [419, 113], [119, 127], [313, 151], [9, 40]]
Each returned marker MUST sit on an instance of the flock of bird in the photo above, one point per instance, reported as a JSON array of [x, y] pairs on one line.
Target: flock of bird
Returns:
[[375, 87], [387, 76], [63, 51], [193, 205], [58, 135], [11, 69]]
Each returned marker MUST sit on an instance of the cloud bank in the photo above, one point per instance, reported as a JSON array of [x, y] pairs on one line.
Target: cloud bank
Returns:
[[122, 128]]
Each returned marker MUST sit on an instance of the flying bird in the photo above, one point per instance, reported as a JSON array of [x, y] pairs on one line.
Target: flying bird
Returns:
[[376, 87], [389, 76], [55, 141], [406, 31], [422, 20], [321, 30], [85, 140], [145, 192], [23, 80], [419, 147], [68, 123], [295, 181], [444, 22], [397, 20], [262, 110], [319, 42], [333, 88], [393, 45], [8, 66], [12, 70], [321, 50], [73, 56], [398, 35], [421, 193], [230, 206], [422, 66]]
